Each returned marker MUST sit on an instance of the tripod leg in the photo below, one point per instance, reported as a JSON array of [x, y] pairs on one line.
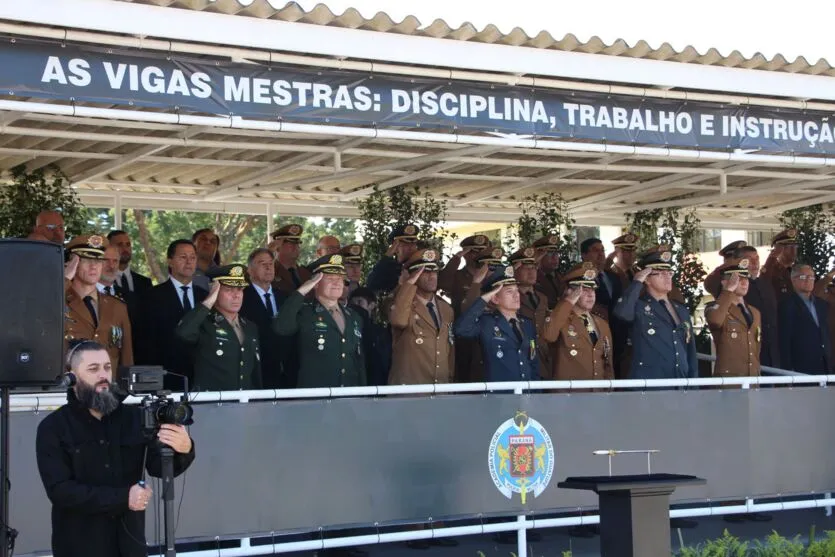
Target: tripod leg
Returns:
[[4, 472], [168, 499]]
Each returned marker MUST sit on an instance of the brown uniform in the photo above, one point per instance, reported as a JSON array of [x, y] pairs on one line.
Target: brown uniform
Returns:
[[538, 314], [737, 344], [113, 332], [576, 357], [421, 353], [284, 280], [779, 276], [551, 285]]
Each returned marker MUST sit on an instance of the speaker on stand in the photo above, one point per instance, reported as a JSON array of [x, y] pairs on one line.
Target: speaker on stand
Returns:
[[31, 338]]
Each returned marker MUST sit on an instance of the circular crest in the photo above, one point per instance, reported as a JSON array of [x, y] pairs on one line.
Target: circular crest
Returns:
[[743, 264], [508, 271], [791, 233], [588, 265], [429, 255], [630, 238], [521, 458], [529, 252], [497, 252], [355, 249], [480, 240], [553, 240], [666, 256], [236, 271], [95, 241], [589, 274], [410, 230], [295, 230], [336, 260]]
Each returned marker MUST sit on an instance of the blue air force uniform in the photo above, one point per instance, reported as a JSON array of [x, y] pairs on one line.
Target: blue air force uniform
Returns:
[[506, 357], [662, 349]]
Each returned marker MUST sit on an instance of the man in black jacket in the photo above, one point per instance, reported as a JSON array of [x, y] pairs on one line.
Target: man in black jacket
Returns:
[[90, 455]]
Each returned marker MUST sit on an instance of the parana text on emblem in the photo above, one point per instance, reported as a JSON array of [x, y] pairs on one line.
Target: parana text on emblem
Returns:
[[521, 457]]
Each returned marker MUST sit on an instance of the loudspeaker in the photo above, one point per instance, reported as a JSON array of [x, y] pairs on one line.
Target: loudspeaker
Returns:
[[32, 309]]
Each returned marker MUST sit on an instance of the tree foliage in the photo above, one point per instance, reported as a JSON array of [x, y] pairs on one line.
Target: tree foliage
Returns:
[[679, 231], [383, 210], [815, 228], [29, 193], [541, 215]]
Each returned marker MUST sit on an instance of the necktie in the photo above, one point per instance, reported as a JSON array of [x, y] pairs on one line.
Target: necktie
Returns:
[[589, 328], [269, 303], [340, 320], [186, 301], [294, 274], [124, 282], [108, 290], [671, 310], [515, 325], [747, 314], [431, 307], [533, 300], [88, 301]]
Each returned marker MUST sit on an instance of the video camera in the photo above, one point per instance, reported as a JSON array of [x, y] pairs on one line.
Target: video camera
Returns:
[[157, 405]]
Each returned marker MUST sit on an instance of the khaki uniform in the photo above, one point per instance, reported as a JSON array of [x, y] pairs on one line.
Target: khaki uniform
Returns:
[[779, 276], [458, 285], [113, 332], [576, 357], [284, 280], [539, 315], [551, 285], [737, 345], [421, 354]]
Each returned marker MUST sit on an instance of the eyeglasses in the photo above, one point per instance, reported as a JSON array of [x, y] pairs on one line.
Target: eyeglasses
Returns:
[[805, 277]]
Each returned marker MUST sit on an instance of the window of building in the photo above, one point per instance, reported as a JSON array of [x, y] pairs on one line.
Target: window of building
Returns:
[[709, 240], [758, 238]]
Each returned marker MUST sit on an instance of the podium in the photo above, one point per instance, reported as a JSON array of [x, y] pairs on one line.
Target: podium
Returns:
[[634, 511]]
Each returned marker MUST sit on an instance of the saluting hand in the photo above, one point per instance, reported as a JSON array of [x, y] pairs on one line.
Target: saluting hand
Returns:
[[71, 267], [210, 300], [490, 295], [310, 284], [413, 278], [392, 248], [642, 275], [572, 295], [733, 283], [275, 245], [480, 274]]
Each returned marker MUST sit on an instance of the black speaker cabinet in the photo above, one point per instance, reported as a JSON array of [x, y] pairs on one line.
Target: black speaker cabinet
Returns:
[[31, 312]]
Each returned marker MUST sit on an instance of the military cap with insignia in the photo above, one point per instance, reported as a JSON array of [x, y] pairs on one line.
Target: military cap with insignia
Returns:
[[501, 276], [425, 258], [493, 256], [477, 242], [291, 233], [583, 274], [786, 237], [328, 264], [352, 253], [88, 247], [233, 274], [523, 256], [735, 266], [659, 257], [729, 250], [626, 242], [550, 243], [405, 233]]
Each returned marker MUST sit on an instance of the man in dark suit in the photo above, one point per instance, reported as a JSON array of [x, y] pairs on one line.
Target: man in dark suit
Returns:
[[804, 326], [162, 309], [130, 286], [609, 285], [261, 304]]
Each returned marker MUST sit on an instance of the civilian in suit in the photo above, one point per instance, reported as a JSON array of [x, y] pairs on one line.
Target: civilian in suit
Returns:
[[131, 287], [260, 306], [825, 290], [804, 326], [609, 286], [165, 306]]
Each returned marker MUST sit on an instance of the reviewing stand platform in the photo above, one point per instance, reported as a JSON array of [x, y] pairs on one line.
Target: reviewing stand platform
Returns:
[[634, 511]]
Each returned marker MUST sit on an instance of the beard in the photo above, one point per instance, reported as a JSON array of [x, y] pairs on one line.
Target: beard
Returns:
[[104, 402]]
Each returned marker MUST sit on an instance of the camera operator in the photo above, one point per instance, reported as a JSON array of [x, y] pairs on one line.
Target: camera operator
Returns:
[[91, 453]]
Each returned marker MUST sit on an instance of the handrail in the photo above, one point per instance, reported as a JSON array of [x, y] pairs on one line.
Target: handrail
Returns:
[[767, 369]]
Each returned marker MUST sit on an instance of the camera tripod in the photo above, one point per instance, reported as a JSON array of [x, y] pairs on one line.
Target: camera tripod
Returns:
[[7, 533], [167, 457]]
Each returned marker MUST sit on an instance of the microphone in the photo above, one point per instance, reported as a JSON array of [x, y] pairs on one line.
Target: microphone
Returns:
[[67, 380]]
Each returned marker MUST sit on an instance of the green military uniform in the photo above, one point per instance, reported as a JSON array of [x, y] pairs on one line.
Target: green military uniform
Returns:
[[327, 356], [222, 362]]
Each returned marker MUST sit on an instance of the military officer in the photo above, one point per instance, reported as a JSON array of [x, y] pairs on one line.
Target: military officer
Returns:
[[534, 305], [736, 326], [421, 325], [508, 340], [89, 314], [286, 246], [624, 257], [623, 268], [227, 355], [728, 253], [352, 260], [663, 343], [385, 274], [456, 282], [778, 266], [584, 341], [548, 280], [329, 335]]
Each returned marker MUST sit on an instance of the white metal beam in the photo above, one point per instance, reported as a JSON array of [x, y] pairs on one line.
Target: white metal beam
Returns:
[[248, 32], [111, 165], [406, 178], [818, 199]]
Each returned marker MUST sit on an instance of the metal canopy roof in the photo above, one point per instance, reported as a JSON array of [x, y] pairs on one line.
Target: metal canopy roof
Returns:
[[125, 162]]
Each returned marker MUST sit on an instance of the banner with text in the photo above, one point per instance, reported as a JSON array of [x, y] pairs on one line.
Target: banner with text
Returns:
[[305, 95]]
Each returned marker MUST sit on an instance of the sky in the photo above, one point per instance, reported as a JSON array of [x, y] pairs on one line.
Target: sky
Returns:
[[799, 28]]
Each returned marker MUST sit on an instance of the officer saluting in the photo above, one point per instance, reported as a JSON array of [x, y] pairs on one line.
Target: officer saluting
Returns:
[[329, 335], [508, 340], [533, 304], [736, 327], [584, 341], [664, 346], [227, 355], [421, 325]]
